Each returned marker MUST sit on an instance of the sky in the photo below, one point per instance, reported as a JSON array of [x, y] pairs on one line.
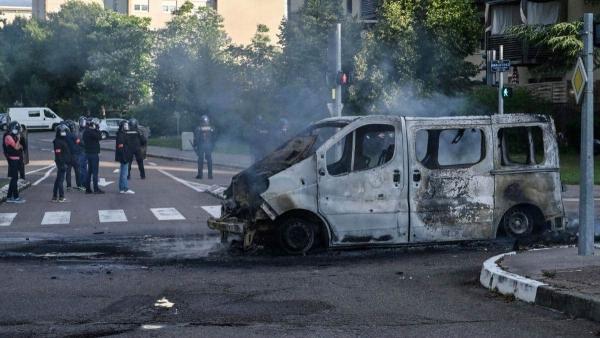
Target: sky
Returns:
[[21, 3]]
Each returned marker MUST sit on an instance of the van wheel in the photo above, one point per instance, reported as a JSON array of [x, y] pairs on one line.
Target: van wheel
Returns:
[[104, 135], [518, 223], [296, 236]]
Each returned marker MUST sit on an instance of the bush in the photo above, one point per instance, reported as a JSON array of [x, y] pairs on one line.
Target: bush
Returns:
[[484, 100]]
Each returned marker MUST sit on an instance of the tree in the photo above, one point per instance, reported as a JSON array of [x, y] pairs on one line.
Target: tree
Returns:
[[417, 48]]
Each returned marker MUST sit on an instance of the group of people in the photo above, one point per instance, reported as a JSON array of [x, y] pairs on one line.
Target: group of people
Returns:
[[76, 150]]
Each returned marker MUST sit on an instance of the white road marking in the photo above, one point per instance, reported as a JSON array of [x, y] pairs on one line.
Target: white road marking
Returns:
[[45, 176], [40, 169], [576, 199], [164, 302], [7, 219], [110, 216], [116, 171], [56, 217], [213, 210], [103, 182], [152, 164], [184, 182], [167, 214]]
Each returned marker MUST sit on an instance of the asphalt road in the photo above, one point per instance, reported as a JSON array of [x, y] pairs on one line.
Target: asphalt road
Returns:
[[150, 277]]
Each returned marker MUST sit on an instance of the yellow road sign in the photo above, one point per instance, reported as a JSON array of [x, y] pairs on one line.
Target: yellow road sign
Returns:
[[579, 80]]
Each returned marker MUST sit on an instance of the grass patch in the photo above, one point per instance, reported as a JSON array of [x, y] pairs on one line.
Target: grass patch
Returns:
[[569, 168], [223, 147]]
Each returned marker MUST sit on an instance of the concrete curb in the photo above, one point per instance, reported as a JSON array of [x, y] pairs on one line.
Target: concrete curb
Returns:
[[575, 304], [21, 185]]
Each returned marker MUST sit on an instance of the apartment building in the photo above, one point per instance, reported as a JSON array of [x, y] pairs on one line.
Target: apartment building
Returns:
[[41, 8], [11, 9]]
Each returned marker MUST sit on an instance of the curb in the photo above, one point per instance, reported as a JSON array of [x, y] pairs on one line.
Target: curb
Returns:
[[575, 304], [21, 185]]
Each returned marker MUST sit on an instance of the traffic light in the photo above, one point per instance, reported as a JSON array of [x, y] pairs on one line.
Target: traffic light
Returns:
[[507, 92]]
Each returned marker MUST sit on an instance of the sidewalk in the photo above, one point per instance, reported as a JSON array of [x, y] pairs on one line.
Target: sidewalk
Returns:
[[219, 159], [555, 277]]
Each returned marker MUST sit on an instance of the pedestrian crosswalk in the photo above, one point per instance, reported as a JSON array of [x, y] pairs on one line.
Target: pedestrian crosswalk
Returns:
[[106, 216]]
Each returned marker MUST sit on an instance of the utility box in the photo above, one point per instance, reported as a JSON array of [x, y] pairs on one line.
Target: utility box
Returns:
[[187, 139]]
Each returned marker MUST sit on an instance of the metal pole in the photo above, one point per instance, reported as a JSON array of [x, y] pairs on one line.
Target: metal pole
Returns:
[[501, 85], [338, 68], [586, 197]]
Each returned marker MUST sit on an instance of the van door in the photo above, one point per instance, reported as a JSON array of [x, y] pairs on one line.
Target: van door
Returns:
[[361, 189], [50, 118], [35, 119], [451, 188]]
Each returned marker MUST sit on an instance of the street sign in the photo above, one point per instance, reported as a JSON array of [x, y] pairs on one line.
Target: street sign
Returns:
[[507, 92], [500, 65], [579, 80]]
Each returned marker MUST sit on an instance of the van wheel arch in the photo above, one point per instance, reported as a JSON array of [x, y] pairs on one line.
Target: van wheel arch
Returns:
[[54, 125], [523, 212], [322, 235]]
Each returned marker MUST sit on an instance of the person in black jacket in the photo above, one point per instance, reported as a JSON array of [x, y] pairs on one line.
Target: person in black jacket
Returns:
[[204, 142], [13, 150], [91, 141], [62, 158], [123, 155], [136, 141]]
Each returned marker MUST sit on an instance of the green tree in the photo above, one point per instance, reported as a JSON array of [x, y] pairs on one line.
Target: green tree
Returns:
[[417, 47]]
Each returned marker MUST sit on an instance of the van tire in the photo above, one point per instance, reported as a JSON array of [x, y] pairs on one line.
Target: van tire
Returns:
[[519, 222], [296, 236]]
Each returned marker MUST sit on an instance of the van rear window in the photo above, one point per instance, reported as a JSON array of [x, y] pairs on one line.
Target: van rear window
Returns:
[[33, 113], [521, 145], [450, 148]]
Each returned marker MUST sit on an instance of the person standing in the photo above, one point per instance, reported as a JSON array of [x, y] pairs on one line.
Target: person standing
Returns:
[[75, 150], [23, 141], [136, 141], [123, 155], [13, 150], [82, 160], [203, 146], [62, 158], [91, 140]]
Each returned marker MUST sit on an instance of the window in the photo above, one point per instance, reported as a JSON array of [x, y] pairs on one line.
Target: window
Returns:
[[365, 148], [349, 6], [449, 148], [141, 6], [542, 13], [169, 6], [505, 16], [521, 146], [34, 113], [49, 114]]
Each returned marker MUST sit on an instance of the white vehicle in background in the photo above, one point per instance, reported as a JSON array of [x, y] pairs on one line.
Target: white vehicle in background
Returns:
[[35, 118]]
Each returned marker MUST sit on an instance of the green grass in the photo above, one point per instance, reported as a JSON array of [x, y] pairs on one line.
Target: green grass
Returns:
[[224, 147], [569, 168]]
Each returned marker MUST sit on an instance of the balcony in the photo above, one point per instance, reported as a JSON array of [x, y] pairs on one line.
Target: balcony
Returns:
[[518, 51]]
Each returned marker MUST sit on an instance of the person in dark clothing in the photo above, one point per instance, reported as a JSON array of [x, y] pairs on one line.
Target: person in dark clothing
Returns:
[[203, 146], [73, 165], [91, 140], [82, 160], [136, 141], [123, 155], [22, 157], [13, 150], [62, 158]]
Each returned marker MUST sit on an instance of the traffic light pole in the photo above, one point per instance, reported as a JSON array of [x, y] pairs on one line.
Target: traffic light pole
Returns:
[[586, 191], [338, 68], [501, 85]]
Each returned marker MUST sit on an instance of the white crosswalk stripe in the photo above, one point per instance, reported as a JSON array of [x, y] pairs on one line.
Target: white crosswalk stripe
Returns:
[[213, 210], [110, 216], [6, 219], [56, 217], [167, 214]]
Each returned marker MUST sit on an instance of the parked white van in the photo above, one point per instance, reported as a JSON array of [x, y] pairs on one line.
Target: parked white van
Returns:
[[35, 117]]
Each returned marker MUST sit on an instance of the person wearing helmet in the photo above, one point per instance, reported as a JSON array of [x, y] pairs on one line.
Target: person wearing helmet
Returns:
[[62, 158], [23, 138], [73, 165], [123, 155], [13, 150], [136, 141], [91, 140], [82, 159], [203, 146]]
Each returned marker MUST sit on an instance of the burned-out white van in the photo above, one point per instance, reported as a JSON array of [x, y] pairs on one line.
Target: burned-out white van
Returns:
[[388, 180]]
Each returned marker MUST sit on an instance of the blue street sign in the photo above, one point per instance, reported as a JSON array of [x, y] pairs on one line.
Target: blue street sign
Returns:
[[500, 65]]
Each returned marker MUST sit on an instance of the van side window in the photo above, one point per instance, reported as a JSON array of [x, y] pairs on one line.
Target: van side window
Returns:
[[49, 114], [521, 146], [33, 113], [449, 148], [365, 148]]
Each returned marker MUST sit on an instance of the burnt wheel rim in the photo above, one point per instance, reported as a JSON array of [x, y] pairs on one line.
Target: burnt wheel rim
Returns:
[[298, 236], [518, 223]]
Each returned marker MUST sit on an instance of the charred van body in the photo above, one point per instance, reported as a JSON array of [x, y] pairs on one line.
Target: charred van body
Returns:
[[387, 180]]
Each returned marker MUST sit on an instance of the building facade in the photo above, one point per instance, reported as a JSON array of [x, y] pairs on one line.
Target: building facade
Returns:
[[8, 13]]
